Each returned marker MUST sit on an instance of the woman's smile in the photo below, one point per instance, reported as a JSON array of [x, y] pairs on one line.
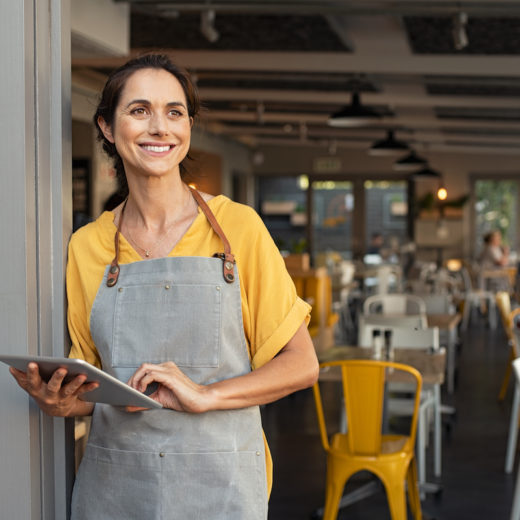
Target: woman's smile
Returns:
[[157, 149]]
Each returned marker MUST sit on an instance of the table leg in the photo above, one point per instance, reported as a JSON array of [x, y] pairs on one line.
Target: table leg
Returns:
[[452, 346]]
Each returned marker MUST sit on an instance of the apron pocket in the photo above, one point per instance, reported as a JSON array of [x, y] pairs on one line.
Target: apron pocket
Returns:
[[214, 486], [114, 484], [148, 316]]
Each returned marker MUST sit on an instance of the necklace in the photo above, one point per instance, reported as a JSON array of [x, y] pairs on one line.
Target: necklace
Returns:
[[148, 252]]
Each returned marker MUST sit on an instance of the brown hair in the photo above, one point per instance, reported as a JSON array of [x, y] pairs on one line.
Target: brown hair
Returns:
[[112, 92]]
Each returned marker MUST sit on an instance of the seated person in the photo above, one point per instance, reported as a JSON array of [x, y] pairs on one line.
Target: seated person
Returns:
[[376, 244], [495, 255]]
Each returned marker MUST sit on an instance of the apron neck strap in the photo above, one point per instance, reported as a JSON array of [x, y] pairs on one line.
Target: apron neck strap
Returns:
[[113, 271], [227, 257]]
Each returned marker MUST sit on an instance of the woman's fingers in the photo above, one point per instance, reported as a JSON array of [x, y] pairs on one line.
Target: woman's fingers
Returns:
[[148, 373], [176, 390], [56, 380]]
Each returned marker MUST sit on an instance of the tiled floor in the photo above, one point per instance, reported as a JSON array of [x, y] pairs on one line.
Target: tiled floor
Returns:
[[475, 486]]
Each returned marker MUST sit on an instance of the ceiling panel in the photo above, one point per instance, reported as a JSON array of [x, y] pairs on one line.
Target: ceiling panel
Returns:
[[485, 35], [236, 32], [280, 68]]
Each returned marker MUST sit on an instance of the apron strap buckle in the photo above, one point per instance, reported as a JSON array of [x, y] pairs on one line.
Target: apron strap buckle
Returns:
[[228, 263]]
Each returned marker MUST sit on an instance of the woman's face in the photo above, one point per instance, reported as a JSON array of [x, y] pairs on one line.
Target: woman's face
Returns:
[[151, 128]]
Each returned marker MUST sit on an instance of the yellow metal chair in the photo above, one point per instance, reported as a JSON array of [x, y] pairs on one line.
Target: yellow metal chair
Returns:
[[508, 320], [364, 447], [314, 286]]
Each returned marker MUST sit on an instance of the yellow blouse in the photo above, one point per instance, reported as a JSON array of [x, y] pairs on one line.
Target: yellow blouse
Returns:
[[271, 309]]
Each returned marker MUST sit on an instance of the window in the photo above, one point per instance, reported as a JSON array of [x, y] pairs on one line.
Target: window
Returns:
[[496, 207]]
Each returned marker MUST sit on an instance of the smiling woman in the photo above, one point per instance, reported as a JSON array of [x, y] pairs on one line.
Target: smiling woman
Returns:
[[183, 294], [111, 105]]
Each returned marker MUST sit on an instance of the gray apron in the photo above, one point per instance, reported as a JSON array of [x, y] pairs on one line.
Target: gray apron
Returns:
[[163, 464]]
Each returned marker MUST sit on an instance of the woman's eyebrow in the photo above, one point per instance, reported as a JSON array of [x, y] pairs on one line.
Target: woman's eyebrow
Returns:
[[146, 102], [138, 102]]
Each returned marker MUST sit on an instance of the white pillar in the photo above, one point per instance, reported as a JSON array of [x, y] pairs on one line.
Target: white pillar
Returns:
[[35, 222]]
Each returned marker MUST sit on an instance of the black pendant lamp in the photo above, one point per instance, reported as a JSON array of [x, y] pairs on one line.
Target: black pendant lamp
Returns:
[[354, 114], [410, 163], [426, 173], [388, 146]]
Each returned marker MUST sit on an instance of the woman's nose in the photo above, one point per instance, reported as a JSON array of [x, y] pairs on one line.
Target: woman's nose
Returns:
[[158, 124]]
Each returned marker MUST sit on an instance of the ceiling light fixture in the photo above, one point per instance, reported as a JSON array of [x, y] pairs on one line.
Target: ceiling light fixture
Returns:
[[388, 146], [460, 36], [410, 162], [442, 192], [354, 114], [207, 26], [426, 173]]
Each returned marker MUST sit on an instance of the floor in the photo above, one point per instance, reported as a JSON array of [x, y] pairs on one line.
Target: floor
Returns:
[[474, 443]]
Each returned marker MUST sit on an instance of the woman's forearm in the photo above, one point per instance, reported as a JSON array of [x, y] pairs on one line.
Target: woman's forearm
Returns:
[[294, 368]]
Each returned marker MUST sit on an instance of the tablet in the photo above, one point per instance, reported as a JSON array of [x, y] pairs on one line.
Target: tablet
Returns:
[[110, 389]]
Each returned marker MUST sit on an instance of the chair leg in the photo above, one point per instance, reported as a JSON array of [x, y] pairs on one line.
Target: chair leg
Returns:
[[507, 376], [513, 431], [413, 490], [333, 492], [396, 497], [437, 432], [492, 314], [515, 512], [421, 444], [466, 313]]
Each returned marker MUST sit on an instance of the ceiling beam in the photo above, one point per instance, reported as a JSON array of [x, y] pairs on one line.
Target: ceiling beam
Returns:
[[392, 99], [333, 62], [352, 8], [320, 119]]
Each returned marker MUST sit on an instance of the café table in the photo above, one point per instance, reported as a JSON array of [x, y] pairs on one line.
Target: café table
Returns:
[[446, 322], [432, 367]]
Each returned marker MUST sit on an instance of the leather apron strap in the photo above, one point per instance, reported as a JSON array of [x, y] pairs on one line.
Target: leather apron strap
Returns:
[[227, 257]]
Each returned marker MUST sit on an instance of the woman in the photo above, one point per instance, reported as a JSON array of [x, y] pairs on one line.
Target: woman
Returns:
[[494, 256], [150, 303]]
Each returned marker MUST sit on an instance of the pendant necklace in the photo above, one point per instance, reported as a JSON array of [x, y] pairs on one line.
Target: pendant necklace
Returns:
[[148, 252]]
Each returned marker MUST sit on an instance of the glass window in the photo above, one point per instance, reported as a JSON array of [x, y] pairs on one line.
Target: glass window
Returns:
[[386, 212], [496, 208], [282, 204], [332, 211]]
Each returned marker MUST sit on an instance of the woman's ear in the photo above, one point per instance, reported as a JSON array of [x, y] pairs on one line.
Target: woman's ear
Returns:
[[106, 129], [191, 122]]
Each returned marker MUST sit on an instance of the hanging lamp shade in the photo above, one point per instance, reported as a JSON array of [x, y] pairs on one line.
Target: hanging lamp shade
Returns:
[[426, 173], [410, 163], [388, 146], [354, 114]]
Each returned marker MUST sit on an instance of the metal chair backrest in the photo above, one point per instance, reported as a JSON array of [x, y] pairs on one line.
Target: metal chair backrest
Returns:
[[402, 337], [363, 384], [440, 303], [395, 304]]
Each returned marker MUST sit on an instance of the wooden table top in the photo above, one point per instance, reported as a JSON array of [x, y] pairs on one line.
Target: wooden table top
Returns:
[[431, 365], [444, 321]]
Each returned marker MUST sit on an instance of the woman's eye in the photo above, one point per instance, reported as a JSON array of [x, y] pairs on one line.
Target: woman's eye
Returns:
[[175, 113], [139, 111]]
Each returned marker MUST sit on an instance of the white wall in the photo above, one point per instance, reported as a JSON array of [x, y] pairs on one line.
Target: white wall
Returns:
[[100, 27]]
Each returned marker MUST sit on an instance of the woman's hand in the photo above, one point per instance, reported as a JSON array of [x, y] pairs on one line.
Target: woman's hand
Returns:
[[175, 391], [54, 397], [295, 367]]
